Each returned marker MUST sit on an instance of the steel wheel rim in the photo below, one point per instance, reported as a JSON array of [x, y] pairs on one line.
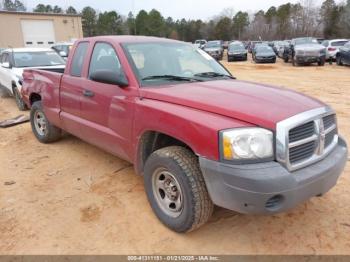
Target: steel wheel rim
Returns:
[[40, 123], [167, 192]]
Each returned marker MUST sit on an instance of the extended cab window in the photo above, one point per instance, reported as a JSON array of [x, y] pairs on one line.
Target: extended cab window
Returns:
[[104, 57], [78, 59]]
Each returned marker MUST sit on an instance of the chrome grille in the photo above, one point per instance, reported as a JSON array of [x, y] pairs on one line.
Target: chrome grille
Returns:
[[306, 138], [328, 121], [302, 132], [330, 137], [301, 152], [312, 53]]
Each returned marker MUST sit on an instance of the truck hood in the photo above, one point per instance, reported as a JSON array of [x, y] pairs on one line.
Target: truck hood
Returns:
[[212, 49], [265, 54], [258, 104], [309, 47]]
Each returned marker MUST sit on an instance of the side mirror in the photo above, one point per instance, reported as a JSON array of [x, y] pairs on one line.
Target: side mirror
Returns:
[[63, 54], [6, 65], [109, 77]]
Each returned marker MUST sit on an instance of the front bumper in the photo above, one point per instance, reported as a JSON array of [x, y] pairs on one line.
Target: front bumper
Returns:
[[216, 56], [268, 188], [309, 59], [237, 56], [271, 59]]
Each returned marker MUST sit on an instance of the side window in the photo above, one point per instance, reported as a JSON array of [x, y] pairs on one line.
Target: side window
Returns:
[[78, 59], [104, 58]]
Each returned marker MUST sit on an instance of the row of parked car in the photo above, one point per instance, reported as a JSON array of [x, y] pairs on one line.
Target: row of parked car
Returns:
[[305, 50], [299, 51], [15, 60]]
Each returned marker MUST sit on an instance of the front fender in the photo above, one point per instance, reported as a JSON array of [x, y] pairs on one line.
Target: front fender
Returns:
[[197, 129]]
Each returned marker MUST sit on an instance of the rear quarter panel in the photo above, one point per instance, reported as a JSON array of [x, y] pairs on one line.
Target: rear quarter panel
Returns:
[[47, 85]]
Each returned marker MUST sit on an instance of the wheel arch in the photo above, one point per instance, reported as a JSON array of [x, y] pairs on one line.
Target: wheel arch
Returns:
[[13, 86], [151, 141], [34, 97]]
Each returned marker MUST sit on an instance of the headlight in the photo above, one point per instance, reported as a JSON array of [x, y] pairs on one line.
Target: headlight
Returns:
[[251, 143]]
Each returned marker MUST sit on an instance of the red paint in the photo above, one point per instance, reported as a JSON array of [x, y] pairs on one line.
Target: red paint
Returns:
[[115, 118]]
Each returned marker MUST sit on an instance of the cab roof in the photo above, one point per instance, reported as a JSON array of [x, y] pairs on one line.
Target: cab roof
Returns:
[[131, 39]]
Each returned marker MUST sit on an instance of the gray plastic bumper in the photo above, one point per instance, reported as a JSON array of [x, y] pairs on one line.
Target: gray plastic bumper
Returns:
[[309, 59], [267, 188]]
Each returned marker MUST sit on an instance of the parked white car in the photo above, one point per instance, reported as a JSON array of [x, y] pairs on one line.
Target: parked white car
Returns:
[[200, 43], [63, 48], [14, 61], [332, 47]]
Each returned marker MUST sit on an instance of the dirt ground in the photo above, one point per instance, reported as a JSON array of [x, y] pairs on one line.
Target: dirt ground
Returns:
[[73, 198]]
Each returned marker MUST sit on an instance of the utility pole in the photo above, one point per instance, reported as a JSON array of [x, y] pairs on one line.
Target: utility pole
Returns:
[[134, 11]]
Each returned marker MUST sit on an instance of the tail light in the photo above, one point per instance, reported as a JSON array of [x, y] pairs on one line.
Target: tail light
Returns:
[[331, 49]]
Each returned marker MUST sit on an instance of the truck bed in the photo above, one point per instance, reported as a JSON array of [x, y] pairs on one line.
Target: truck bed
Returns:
[[37, 80]]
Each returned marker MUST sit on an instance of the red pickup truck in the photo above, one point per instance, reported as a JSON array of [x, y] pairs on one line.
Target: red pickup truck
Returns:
[[197, 135]]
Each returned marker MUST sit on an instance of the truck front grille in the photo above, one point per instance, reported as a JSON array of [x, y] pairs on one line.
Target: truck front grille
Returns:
[[302, 132], [312, 53], [304, 151], [306, 138]]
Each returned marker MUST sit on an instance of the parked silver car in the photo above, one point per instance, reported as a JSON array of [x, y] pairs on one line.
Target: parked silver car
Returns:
[[215, 49], [305, 50]]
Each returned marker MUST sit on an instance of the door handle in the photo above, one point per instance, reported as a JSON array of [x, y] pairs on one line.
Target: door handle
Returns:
[[88, 93]]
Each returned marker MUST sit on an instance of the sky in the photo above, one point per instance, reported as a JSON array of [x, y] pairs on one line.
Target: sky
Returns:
[[188, 9]]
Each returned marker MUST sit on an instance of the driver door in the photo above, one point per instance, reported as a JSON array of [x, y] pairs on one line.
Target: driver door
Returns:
[[106, 109]]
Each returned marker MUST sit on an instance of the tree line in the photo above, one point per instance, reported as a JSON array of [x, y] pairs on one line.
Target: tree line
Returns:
[[330, 20]]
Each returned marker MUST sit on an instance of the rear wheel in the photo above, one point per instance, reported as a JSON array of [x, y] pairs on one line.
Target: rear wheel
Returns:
[[19, 101], [44, 131], [339, 61], [176, 189]]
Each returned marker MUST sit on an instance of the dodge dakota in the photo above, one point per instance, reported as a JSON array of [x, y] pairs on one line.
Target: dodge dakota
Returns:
[[198, 136]]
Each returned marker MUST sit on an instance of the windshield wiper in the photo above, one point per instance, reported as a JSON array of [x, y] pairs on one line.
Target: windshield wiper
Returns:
[[172, 77], [213, 75]]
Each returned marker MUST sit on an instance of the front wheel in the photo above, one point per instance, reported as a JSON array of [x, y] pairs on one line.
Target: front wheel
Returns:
[[176, 189], [321, 62], [44, 131]]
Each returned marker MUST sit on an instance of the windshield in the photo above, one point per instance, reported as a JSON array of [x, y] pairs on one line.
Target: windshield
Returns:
[[213, 44], [339, 43], [171, 59], [264, 48], [236, 47], [34, 59], [306, 40]]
